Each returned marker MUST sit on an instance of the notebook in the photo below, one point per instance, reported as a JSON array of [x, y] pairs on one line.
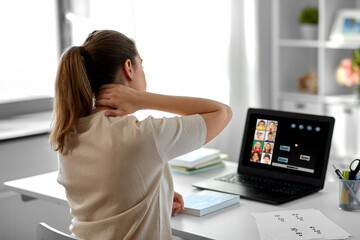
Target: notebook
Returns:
[[283, 157]]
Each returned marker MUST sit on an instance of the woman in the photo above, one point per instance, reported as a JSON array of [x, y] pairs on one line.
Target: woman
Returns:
[[113, 167]]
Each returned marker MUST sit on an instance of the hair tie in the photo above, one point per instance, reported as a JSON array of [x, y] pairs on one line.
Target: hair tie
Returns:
[[83, 52]]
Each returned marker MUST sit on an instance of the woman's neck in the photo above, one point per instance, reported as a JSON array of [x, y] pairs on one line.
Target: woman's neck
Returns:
[[98, 109]]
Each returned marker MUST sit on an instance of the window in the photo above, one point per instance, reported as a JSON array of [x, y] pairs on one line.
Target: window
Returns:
[[29, 49]]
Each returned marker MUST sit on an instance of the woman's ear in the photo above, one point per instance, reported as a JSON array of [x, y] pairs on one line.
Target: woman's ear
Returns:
[[128, 69]]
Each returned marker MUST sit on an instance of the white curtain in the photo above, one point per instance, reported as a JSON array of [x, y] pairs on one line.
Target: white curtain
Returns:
[[243, 72]]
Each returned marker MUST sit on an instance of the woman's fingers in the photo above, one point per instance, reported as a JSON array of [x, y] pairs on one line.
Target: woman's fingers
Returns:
[[179, 199], [177, 207], [175, 211], [103, 95], [105, 103], [178, 204], [118, 97]]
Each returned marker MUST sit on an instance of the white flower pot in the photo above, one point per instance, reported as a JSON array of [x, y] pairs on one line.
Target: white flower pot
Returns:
[[308, 31]]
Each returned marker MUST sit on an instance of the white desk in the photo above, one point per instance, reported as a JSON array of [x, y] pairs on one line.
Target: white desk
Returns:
[[231, 223]]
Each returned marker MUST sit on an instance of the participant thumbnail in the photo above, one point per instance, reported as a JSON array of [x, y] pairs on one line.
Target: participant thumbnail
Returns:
[[271, 126], [270, 136], [259, 135], [255, 157], [268, 147], [258, 146], [261, 124], [266, 158]]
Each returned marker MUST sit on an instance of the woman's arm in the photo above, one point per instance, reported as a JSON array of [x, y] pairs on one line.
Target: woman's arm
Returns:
[[125, 100]]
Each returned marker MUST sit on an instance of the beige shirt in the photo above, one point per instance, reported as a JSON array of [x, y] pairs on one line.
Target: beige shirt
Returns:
[[117, 179]]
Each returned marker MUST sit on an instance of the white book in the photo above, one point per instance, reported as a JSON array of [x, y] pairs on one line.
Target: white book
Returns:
[[196, 157], [223, 157], [205, 202], [199, 170]]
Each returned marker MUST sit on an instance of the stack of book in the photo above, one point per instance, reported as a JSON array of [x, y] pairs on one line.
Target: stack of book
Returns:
[[205, 202], [200, 160]]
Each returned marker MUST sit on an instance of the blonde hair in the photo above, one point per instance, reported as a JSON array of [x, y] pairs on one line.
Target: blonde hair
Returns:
[[82, 71]]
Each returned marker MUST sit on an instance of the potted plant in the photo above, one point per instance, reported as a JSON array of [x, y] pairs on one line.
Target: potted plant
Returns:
[[308, 20]]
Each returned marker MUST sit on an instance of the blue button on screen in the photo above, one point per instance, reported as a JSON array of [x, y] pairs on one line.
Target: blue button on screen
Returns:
[[284, 148], [283, 160]]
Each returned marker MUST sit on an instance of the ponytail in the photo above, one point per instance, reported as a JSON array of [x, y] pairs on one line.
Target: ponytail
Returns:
[[73, 96]]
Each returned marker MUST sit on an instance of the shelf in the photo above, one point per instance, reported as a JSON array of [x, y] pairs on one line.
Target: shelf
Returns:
[[313, 98], [341, 99], [299, 43], [342, 45], [317, 44], [299, 96]]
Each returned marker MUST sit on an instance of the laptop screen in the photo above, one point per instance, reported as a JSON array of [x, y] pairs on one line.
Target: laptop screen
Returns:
[[288, 144]]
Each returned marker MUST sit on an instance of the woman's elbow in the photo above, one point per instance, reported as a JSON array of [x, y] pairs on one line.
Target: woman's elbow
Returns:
[[228, 113]]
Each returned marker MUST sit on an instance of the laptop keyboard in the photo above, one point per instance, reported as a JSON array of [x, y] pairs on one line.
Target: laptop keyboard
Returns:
[[265, 184]]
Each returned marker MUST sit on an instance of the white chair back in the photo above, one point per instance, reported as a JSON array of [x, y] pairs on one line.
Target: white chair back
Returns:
[[45, 232]]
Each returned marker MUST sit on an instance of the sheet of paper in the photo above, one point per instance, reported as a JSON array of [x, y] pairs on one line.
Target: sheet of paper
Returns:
[[297, 224], [264, 234]]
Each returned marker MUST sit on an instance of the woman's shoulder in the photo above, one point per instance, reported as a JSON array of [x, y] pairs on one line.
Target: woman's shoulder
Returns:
[[99, 119], [170, 120], [131, 122]]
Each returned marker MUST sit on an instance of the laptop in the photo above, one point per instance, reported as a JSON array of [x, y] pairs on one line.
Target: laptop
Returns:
[[284, 156]]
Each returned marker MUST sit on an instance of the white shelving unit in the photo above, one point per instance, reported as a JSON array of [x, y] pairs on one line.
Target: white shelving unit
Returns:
[[293, 57]]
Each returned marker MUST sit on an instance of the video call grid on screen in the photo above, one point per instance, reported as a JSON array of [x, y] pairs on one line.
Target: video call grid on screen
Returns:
[[286, 145]]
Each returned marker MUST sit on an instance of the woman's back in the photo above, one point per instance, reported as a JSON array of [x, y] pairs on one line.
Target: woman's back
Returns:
[[117, 178]]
